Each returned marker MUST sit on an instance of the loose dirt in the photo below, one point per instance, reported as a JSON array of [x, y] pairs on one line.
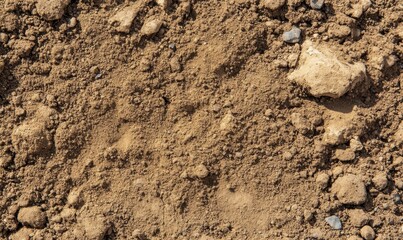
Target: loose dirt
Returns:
[[201, 119]]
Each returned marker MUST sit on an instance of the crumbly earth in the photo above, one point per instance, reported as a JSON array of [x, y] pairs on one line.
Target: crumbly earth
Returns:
[[145, 119]]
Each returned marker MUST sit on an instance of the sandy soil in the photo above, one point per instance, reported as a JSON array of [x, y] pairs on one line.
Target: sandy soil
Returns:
[[201, 119]]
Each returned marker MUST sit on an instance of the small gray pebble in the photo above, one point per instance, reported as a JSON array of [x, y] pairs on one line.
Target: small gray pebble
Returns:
[[334, 222], [397, 199], [292, 36], [172, 46], [316, 4]]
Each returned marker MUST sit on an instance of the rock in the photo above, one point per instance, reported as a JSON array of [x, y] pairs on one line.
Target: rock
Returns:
[[74, 198], [32, 217], [227, 123], [165, 4], [273, 4], [323, 74], [200, 171], [358, 217], [316, 4], [360, 8], [397, 199], [123, 19], [308, 215], [95, 228], [344, 155], [337, 171], [380, 181], [334, 222], [356, 145], [292, 36], [367, 233], [151, 27], [350, 190], [322, 180], [51, 9]]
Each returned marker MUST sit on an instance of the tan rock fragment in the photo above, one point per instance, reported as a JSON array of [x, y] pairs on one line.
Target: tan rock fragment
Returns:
[[323, 74]]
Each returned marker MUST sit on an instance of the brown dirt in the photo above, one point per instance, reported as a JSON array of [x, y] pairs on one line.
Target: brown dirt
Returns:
[[193, 129]]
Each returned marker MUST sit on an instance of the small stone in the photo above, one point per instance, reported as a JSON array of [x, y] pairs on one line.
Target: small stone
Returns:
[[350, 190], [334, 222], [151, 27], [292, 36], [51, 9], [397, 199], [137, 234], [32, 217], [356, 145], [123, 19], [273, 4], [316, 4], [380, 181], [322, 180], [367, 233], [172, 46], [344, 155], [74, 198], [308, 215], [72, 22], [358, 217], [339, 31], [22, 234], [165, 4], [200, 171]]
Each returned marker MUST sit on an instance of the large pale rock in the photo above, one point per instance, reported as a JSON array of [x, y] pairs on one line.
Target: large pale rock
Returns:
[[323, 74], [350, 190]]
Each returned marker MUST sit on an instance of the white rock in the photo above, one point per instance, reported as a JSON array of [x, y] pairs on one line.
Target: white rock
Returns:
[[323, 74]]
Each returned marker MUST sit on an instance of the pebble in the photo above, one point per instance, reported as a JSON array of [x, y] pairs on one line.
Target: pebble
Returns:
[[367, 233], [123, 19], [32, 217], [350, 190], [150, 28], [74, 198], [95, 228], [397, 199], [165, 4], [334, 222], [316, 4], [273, 4], [380, 181], [292, 36], [308, 215], [322, 180], [51, 9]]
